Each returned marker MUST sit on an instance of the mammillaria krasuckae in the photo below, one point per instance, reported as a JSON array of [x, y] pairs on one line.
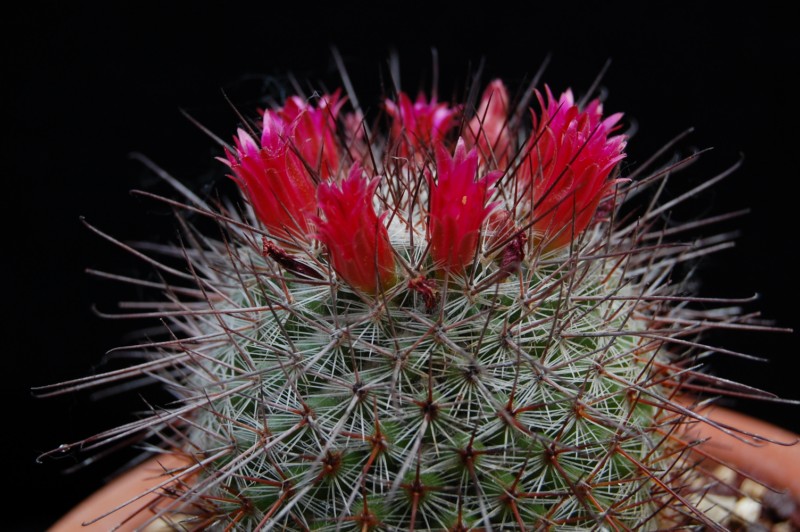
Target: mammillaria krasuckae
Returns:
[[436, 318]]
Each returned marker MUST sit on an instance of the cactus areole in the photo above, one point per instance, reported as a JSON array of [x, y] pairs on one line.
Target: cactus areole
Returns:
[[433, 318]]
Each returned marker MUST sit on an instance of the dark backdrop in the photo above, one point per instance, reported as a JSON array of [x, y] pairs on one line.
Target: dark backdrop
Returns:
[[90, 85]]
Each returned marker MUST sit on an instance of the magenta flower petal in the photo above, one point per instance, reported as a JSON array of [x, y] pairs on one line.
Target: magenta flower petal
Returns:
[[275, 176], [357, 241], [458, 207], [275, 181], [568, 160], [313, 131], [418, 126], [488, 129]]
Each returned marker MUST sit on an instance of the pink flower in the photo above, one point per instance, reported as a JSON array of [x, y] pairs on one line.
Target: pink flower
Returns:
[[357, 241], [420, 125], [313, 131], [458, 207], [488, 129], [275, 181], [567, 162]]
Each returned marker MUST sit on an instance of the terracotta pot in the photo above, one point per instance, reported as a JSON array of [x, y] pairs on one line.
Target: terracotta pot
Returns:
[[127, 487], [775, 465], [756, 449]]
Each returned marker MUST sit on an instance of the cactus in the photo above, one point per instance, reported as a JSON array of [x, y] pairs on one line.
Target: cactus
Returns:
[[443, 320]]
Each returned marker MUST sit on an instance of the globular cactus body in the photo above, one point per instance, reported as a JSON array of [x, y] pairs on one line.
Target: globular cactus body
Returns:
[[438, 327]]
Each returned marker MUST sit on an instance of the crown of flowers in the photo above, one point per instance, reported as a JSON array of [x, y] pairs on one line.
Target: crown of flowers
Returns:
[[484, 192]]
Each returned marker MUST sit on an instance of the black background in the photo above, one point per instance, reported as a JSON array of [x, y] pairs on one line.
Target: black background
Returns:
[[90, 85]]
